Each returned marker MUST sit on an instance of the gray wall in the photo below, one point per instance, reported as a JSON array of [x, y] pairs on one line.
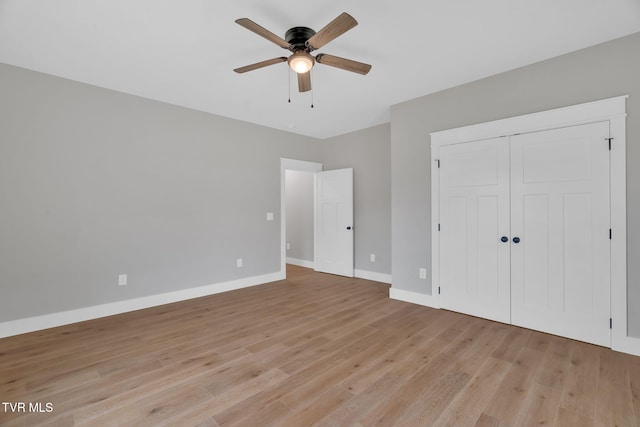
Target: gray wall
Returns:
[[367, 152], [94, 183], [598, 72], [299, 207]]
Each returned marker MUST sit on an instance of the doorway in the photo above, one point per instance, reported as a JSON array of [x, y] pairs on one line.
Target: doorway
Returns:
[[294, 166], [299, 231], [332, 210]]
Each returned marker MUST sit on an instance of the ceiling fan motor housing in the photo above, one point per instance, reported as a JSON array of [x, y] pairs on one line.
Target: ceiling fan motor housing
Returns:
[[298, 36]]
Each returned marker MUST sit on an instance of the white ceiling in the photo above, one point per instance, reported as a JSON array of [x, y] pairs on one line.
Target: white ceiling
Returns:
[[183, 51]]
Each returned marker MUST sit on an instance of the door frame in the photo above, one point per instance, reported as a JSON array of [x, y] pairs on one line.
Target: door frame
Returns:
[[612, 110], [285, 165]]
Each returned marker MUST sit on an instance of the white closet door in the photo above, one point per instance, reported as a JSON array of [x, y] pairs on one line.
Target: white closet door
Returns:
[[474, 215], [560, 268]]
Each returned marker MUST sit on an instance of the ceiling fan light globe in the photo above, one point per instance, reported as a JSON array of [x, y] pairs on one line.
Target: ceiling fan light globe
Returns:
[[301, 62]]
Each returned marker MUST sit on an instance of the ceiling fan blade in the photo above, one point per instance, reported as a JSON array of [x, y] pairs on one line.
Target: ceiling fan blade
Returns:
[[263, 32], [304, 82], [345, 64], [333, 29], [260, 64]]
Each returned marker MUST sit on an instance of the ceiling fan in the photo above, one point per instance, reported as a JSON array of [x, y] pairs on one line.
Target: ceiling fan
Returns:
[[302, 41]]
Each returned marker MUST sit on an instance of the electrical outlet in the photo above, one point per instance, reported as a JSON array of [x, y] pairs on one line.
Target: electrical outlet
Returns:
[[269, 216], [239, 262], [122, 279], [288, 245], [373, 257], [422, 273]]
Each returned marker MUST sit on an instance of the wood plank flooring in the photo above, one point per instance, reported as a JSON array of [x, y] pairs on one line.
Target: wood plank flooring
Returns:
[[314, 349]]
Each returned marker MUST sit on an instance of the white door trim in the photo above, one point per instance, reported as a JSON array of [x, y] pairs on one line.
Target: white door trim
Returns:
[[590, 112], [612, 110], [296, 165]]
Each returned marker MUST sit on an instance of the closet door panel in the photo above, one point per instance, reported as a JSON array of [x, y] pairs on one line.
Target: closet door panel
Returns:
[[488, 251], [560, 271], [534, 268], [474, 215]]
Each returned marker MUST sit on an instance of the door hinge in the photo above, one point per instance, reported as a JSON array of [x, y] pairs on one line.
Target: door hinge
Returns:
[[438, 227], [609, 139], [438, 163], [610, 323], [438, 290], [610, 234]]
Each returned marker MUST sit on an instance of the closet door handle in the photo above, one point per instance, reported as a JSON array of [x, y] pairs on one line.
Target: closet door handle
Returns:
[[504, 239], [516, 240]]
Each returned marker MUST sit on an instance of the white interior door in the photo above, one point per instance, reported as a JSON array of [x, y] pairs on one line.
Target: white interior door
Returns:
[[474, 228], [333, 235], [560, 271]]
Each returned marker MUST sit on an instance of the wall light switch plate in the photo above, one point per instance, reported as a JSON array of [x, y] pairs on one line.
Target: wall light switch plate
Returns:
[[269, 216], [239, 262]]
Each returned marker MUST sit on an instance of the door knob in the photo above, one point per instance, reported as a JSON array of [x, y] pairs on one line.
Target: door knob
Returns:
[[349, 227], [504, 239], [516, 240]]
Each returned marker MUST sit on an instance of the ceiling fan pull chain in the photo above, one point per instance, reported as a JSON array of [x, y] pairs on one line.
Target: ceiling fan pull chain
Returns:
[[311, 75], [289, 85]]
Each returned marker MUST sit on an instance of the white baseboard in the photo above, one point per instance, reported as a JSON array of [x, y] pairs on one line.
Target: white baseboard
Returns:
[[432, 301], [628, 345], [30, 324], [301, 262], [372, 275]]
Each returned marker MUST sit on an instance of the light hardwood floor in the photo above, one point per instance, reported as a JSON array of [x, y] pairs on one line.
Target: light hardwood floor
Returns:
[[314, 349]]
